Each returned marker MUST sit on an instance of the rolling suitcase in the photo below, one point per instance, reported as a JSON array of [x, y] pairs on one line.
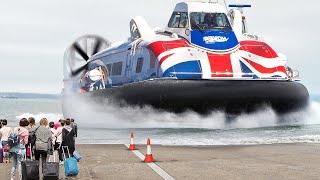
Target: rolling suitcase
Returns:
[[5, 154], [1, 153], [70, 164], [50, 170], [29, 169]]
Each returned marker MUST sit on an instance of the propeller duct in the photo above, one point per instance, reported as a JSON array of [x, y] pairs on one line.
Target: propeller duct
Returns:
[[79, 53]]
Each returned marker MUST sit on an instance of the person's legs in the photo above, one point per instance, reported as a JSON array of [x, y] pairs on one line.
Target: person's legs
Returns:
[[14, 157], [19, 159], [44, 155], [60, 153], [71, 151], [37, 155]]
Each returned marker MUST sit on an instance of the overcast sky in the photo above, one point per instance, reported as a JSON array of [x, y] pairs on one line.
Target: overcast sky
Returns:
[[35, 33]]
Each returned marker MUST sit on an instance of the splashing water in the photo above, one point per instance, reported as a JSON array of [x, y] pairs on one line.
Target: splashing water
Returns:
[[107, 115], [109, 124], [50, 116]]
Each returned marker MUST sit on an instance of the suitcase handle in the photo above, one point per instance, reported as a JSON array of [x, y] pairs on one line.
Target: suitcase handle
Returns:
[[25, 155], [64, 154], [54, 157]]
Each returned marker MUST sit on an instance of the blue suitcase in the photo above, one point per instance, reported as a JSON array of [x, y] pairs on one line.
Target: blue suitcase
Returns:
[[70, 164]]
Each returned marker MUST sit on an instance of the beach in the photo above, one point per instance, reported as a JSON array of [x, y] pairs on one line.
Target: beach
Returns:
[[277, 161]]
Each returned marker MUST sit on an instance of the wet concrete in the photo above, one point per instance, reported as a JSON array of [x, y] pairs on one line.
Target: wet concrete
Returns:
[[283, 161]]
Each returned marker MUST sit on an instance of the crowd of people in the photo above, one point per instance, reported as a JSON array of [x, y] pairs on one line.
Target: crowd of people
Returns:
[[29, 140]]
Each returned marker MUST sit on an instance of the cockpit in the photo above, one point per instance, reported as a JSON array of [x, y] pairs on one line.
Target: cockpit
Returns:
[[209, 21], [199, 21], [205, 25]]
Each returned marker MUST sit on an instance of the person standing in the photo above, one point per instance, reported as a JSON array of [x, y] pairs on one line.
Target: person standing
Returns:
[[18, 151], [5, 132], [32, 124], [32, 128], [75, 127], [68, 137], [43, 135], [59, 140], [53, 133]]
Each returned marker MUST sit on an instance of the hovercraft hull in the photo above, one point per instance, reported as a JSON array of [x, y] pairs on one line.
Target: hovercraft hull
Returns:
[[204, 96]]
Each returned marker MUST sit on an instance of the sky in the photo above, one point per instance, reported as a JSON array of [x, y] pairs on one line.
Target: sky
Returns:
[[35, 33]]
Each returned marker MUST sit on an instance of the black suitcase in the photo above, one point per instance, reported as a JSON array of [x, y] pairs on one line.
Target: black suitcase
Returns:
[[50, 170], [30, 170]]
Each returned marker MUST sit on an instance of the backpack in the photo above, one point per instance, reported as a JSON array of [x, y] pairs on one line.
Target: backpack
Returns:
[[13, 140], [32, 137]]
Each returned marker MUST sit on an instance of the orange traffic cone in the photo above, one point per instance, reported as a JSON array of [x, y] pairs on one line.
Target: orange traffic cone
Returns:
[[132, 146], [149, 157]]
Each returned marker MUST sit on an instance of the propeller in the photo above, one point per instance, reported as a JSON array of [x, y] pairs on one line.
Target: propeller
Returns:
[[79, 53]]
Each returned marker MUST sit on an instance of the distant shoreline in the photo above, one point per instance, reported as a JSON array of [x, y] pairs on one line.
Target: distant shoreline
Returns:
[[11, 95], [20, 95]]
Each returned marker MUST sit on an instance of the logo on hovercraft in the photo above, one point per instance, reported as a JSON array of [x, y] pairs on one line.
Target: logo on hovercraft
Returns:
[[214, 39]]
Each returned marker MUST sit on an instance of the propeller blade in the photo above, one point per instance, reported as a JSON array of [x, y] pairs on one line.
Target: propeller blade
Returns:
[[79, 70], [80, 51], [97, 46]]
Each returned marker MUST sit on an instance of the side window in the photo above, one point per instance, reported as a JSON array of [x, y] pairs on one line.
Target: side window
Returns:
[[139, 65], [116, 69], [152, 60], [183, 20], [174, 20], [178, 20]]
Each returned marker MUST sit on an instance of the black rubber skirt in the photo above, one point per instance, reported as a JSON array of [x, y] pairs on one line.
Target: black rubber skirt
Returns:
[[204, 96]]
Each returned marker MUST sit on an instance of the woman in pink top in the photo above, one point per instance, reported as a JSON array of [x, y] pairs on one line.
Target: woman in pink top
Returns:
[[18, 152]]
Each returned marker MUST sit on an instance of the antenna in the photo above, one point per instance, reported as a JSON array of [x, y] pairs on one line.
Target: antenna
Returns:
[[240, 6]]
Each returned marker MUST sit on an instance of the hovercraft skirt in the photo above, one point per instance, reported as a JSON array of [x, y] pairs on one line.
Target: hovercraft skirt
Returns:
[[231, 96]]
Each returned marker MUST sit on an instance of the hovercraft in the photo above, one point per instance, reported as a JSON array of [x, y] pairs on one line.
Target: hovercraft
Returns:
[[205, 59]]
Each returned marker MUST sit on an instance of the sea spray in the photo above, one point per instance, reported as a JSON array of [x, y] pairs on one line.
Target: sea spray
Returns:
[[38, 116], [111, 124], [106, 115]]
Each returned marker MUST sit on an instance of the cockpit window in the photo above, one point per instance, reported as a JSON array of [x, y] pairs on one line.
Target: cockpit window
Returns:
[[207, 21], [178, 20]]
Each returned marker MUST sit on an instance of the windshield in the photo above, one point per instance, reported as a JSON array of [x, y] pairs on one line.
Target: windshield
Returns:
[[208, 21]]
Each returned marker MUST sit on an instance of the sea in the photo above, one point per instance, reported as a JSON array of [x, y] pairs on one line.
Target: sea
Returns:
[[113, 125]]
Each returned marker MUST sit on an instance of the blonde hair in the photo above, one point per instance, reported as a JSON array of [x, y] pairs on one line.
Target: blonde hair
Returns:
[[44, 122]]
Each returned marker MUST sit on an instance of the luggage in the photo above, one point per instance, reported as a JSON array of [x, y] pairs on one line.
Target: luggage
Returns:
[[28, 151], [50, 170], [77, 155], [30, 169], [6, 154], [1, 153], [70, 164]]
